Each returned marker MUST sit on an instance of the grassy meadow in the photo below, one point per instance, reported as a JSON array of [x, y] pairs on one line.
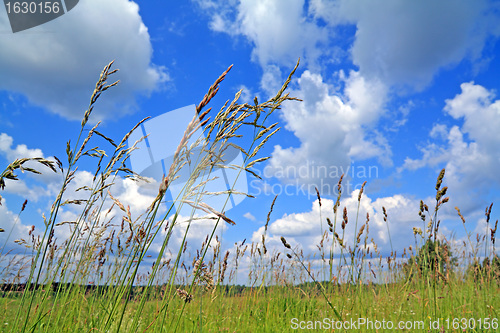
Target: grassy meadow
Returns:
[[103, 278]]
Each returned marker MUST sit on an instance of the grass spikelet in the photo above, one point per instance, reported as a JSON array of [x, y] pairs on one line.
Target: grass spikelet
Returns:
[[100, 87], [361, 191], [345, 219], [318, 196], [440, 179], [285, 244], [460, 214]]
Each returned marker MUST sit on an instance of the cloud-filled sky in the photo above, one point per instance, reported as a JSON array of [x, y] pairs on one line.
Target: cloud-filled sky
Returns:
[[393, 91]]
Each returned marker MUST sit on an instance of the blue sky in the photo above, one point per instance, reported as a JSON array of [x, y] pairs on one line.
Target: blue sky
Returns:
[[394, 90]]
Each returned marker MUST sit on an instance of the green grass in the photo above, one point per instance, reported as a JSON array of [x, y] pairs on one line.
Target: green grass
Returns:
[[273, 309], [102, 278]]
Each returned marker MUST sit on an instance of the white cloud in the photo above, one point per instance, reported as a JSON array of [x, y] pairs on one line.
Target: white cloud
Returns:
[[19, 187], [280, 30], [20, 151], [45, 188], [469, 152], [397, 42], [135, 197], [396, 45], [333, 129], [271, 80], [480, 113], [249, 216], [407, 42], [200, 227], [132, 195], [304, 229], [56, 65], [438, 131], [13, 227]]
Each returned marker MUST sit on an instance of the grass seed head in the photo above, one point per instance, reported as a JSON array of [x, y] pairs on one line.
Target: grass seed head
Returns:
[[460, 214], [493, 232], [488, 212], [184, 295], [344, 218], [361, 191], [440, 179], [317, 194], [283, 240]]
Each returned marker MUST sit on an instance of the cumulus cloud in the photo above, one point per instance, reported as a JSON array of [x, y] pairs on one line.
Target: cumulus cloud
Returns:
[[396, 45], [280, 31], [470, 151], [56, 65], [304, 229], [44, 188], [13, 228], [249, 216], [198, 228], [333, 130], [134, 196], [20, 151], [12, 152], [271, 80], [398, 42], [32, 193], [407, 42]]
